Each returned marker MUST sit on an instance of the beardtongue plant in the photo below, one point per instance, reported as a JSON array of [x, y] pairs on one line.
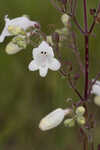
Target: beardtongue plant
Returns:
[[23, 30]]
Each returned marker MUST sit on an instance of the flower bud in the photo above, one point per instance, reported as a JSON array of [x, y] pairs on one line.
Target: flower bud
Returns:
[[12, 48], [65, 19], [97, 100], [80, 110], [49, 39], [81, 120], [69, 122], [52, 120], [17, 44], [15, 30]]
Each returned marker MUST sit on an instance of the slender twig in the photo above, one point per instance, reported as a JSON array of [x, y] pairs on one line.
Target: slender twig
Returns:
[[58, 8], [77, 54], [74, 88], [77, 24]]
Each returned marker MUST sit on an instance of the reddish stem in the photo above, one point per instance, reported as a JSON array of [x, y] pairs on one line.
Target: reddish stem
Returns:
[[86, 36], [86, 67]]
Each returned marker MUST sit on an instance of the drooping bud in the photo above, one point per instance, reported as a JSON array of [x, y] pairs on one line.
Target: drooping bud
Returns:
[[15, 30], [65, 19], [69, 122], [81, 120], [80, 111]]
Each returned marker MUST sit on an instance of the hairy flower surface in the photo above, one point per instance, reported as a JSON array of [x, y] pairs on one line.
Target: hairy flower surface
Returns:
[[96, 88], [44, 59], [18, 23], [53, 119]]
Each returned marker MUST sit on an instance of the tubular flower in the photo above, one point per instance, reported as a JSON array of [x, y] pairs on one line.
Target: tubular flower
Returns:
[[96, 88], [16, 25], [53, 119], [44, 59]]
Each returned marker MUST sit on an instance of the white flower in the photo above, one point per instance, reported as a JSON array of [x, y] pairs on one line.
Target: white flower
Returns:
[[44, 59], [20, 22], [53, 119], [96, 88]]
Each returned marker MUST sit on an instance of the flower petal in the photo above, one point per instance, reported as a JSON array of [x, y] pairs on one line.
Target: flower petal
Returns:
[[35, 52], [32, 66], [4, 34], [44, 46], [22, 22], [54, 64], [43, 71]]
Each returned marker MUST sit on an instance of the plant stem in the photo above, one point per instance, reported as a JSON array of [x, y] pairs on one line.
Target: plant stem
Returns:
[[86, 67], [86, 37]]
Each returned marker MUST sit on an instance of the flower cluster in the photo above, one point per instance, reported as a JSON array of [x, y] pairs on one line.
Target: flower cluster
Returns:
[[54, 118], [22, 28]]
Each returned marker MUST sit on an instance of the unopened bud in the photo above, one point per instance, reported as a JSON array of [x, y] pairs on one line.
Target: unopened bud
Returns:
[[97, 100], [12, 48], [49, 40], [52, 120], [65, 19], [17, 44], [15, 30], [80, 110], [81, 120], [69, 122]]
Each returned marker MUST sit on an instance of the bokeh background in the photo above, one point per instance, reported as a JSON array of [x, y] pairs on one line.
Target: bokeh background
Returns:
[[25, 97]]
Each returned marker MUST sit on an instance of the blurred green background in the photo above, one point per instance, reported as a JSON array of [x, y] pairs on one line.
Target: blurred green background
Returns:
[[25, 97]]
